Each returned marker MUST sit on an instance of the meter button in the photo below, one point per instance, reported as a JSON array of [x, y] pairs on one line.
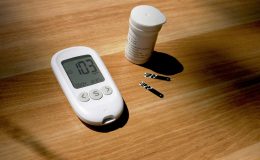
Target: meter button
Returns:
[[107, 90], [95, 94], [83, 97]]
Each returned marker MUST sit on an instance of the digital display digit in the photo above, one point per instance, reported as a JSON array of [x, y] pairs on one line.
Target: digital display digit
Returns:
[[82, 71]]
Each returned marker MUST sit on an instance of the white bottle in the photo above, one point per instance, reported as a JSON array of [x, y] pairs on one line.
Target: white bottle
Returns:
[[144, 24]]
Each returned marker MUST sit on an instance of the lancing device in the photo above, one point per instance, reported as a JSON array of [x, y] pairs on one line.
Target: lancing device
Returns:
[[87, 84], [151, 89]]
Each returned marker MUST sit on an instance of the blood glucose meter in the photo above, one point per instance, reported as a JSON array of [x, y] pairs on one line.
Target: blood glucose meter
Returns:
[[87, 84]]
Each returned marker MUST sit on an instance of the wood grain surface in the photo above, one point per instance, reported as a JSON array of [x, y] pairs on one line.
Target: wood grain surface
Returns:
[[210, 110]]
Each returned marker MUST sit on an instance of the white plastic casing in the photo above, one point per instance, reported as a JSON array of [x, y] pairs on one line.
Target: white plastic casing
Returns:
[[93, 112], [144, 24], [147, 18]]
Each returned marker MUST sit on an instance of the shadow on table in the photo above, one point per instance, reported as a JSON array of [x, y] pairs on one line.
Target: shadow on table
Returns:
[[238, 11], [27, 139], [113, 126], [240, 80], [163, 63]]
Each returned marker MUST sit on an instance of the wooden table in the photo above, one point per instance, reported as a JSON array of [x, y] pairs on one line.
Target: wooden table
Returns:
[[211, 108]]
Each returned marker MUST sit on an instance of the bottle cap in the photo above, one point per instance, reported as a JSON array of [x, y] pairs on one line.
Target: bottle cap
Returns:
[[147, 18]]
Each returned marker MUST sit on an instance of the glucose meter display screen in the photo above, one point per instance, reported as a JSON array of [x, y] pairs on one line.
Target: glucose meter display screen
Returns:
[[82, 71]]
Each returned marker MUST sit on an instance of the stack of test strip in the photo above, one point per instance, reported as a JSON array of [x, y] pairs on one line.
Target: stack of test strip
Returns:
[[151, 89]]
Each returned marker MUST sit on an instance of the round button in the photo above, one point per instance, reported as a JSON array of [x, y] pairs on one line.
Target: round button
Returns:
[[107, 90], [95, 94], [83, 97]]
